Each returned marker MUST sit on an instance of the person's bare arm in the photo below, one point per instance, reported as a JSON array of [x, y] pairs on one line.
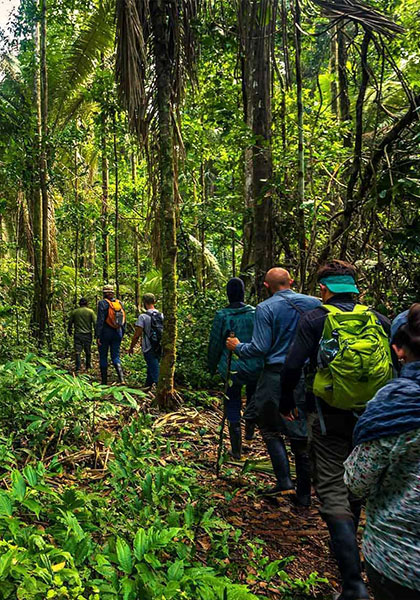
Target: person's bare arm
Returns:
[[138, 334]]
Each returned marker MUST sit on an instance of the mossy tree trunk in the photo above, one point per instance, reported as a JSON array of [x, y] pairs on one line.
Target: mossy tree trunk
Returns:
[[158, 11]]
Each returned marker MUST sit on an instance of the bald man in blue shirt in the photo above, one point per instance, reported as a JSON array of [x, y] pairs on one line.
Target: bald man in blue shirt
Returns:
[[276, 320]]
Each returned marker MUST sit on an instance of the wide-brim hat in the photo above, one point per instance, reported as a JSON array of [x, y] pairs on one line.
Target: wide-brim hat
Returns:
[[340, 284], [108, 289]]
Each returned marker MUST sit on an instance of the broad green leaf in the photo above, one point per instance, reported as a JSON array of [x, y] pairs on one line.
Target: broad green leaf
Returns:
[[125, 560], [140, 544], [176, 571], [6, 506], [128, 588], [33, 506], [19, 485], [30, 475]]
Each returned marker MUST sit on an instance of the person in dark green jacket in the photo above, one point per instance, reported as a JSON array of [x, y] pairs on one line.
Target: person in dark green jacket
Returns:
[[238, 318], [83, 320]]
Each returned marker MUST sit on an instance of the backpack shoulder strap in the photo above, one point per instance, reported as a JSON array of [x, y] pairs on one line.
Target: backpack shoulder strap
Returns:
[[331, 309], [295, 306], [361, 308]]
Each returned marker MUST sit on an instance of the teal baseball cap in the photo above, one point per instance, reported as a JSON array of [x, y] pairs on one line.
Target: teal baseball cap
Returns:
[[340, 284]]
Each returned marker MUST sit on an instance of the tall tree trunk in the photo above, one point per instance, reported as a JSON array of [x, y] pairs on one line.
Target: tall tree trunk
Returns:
[[43, 176], [34, 202], [117, 211], [355, 171], [136, 238], [77, 236], [138, 272], [301, 148], [105, 194], [333, 71], [343, 86], [203, 225], [258, 52], [247, 258], [160, 23]]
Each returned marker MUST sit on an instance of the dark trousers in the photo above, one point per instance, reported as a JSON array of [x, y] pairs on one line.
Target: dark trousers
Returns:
[[110, 340], [328, 453], [152, 362], [83, 343], [234, 393], [386, 589]]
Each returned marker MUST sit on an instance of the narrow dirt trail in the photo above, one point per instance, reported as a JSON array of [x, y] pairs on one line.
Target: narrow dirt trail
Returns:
[[284, 529]]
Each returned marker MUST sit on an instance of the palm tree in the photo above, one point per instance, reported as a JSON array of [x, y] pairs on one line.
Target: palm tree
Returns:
[[151, 89]]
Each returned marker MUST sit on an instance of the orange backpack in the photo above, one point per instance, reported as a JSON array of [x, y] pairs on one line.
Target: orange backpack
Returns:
[[116, 314]]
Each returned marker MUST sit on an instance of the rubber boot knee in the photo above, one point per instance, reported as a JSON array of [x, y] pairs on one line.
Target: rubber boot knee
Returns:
[[303, 473], [280, 461], [120, 373], [249, 430], [346, 552], [235, 439], [104, 375]]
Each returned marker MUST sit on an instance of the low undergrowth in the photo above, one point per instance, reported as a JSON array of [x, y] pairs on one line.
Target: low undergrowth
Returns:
[[130, 526]]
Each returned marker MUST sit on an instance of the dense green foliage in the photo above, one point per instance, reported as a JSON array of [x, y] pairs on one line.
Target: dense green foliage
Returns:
[[132, 532]]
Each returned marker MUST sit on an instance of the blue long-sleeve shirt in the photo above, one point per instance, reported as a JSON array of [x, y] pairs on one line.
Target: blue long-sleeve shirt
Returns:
[[275, 325]]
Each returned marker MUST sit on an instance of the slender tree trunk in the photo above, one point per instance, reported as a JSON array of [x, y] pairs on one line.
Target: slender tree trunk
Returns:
[[333, 72], [117, 211], [105, 195], [358, 145], [165, 390], [343, 86], [34, 202], [203, 225], [138, 271], [137, 290], [43, 176], [301, 147], [248, 215], [76, 206], [259, 55]]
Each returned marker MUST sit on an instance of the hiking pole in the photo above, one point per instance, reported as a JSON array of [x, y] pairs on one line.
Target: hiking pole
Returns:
[[225, 401]]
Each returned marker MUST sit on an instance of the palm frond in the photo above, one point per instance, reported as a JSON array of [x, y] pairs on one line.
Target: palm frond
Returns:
[[212, 264], [132, 35], [83, 55], [135, 72]]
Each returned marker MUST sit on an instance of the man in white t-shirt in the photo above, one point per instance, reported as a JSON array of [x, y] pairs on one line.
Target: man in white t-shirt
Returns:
[[144, 332]]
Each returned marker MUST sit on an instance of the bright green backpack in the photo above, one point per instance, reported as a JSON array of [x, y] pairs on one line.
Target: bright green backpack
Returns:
[[354, 358]]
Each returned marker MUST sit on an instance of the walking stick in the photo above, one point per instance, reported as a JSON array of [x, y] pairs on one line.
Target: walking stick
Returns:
[[225, 401]]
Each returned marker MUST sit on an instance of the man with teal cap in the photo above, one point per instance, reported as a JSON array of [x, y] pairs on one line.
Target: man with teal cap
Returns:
[[331, 424]]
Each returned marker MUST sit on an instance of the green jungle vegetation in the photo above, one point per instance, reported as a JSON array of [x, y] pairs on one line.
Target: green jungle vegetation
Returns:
[[164, 146]]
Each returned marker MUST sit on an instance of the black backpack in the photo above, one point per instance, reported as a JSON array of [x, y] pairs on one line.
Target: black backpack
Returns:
[[156, 330]]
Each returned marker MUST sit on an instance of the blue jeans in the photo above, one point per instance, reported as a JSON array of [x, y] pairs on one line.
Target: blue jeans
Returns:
[[233, 408], [152, 363], [110, 340]]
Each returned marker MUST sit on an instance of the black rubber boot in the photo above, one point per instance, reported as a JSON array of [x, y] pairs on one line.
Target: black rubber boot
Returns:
[[303, 473], [356, 509], [346, 552], [235, 439], [88, 360], [78, 363], [279, 460], [104, 375], [249, 430], [120, 373]]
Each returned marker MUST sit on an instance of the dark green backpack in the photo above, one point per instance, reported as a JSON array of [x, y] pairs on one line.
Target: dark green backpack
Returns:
[[354, 358]]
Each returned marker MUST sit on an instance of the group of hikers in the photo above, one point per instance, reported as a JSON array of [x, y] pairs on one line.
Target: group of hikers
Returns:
[[108, 325], [342, 384]]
